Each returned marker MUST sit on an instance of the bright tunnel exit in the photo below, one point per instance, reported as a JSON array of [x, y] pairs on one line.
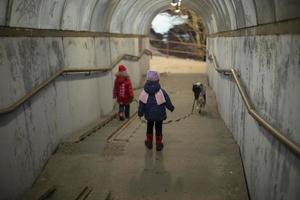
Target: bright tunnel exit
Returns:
[[178, 42]]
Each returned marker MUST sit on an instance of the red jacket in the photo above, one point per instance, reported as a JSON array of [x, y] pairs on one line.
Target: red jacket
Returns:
[[123, 90]]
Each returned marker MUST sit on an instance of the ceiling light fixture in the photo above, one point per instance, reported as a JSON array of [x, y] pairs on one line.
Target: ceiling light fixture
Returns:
[[179, 3], [174, 3], [177, 10]]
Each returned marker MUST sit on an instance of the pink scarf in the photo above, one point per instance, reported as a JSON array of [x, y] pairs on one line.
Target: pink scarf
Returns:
[[159, 96]]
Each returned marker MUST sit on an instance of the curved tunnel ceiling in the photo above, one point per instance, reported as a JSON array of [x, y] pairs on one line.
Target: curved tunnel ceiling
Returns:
[[134, 16]]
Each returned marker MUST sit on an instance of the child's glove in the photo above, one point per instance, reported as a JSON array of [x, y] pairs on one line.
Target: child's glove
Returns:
[[140, 114]]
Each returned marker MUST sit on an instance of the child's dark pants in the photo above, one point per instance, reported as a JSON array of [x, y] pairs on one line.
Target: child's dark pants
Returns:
[[158, 135], [158, 127], [124, 108]]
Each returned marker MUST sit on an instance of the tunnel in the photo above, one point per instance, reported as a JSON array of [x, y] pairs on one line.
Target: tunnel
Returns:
[[57, 64]]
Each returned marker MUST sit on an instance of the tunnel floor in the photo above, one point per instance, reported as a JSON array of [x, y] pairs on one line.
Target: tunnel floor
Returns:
[[200, 160]]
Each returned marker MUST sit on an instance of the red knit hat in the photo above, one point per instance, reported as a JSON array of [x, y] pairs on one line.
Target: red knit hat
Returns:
[[122, 68]]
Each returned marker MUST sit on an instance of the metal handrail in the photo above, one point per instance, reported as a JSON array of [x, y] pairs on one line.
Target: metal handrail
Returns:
[[45, 83], [181, 52], [181, 43], [280, 136]]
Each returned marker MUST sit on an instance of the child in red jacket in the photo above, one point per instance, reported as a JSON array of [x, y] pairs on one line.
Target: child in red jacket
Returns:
[[123, 92]]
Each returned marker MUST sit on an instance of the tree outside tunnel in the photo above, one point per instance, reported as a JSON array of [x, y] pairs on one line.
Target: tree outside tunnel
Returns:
[[179, 33]]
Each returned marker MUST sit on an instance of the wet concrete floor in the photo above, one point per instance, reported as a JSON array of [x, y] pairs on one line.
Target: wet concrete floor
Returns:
[[200, 160]]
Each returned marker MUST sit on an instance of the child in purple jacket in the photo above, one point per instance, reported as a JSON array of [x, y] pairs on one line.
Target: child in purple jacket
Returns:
[[153, 102]]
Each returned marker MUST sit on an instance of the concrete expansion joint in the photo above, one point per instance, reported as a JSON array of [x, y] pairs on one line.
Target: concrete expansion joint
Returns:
[[122, 127], [95, 128]]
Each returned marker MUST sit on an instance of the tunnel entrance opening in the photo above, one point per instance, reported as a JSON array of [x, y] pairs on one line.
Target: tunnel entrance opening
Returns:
[[178, 33]]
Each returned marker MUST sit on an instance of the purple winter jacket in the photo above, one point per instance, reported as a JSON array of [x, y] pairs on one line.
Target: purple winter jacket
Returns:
[[151, 110]]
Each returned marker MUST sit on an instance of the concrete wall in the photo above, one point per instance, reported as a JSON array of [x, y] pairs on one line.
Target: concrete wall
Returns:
[[29, 135], [270, 70], [132, 16], [132, 46]]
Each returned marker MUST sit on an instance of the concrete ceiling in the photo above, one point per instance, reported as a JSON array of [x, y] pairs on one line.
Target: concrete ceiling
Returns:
[[135, 16]]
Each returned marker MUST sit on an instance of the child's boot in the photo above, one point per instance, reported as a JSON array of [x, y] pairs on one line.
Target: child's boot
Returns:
[[159, 144], [148, 141], [121, 116]]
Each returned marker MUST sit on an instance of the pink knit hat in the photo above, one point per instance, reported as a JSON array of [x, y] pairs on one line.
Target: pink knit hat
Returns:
[[152, 75]]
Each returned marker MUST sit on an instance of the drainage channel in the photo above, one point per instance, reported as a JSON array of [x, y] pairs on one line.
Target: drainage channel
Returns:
[[126, 131]]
